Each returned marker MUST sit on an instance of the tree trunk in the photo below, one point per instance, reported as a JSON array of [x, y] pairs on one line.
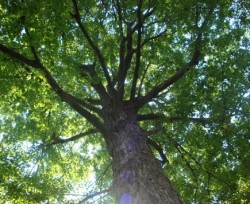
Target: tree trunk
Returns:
[[138, 176]]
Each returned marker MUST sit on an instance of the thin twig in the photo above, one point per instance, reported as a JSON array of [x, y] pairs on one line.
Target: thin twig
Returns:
[[58, 140], [94, 195]]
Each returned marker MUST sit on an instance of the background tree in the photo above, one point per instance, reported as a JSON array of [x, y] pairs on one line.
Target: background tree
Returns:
[[130, 90]]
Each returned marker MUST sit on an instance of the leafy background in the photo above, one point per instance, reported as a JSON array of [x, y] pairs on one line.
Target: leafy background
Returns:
[[207, 162]]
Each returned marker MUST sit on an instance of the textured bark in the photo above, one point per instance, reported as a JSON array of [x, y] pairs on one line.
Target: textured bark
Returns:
[[138, 176]]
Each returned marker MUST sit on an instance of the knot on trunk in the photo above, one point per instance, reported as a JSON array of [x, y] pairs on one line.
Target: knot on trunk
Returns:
[[123, 124]]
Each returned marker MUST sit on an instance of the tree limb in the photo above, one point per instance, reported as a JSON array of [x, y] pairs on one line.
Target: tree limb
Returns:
[[153, 37], [181, 148], [95, 49], [95, 80], [66, 97], [175, 77], [182, 70], [19, 57], [138, 50], [159, 149], [119, 12], [125, 61], [58, 140], [90, 106], [186, 161], [142, 79]]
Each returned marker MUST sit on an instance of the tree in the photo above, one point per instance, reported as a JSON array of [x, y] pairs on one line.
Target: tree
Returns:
[[153, 89]]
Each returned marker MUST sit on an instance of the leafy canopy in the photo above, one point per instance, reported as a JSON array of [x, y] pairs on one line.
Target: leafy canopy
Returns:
[[200, 122]]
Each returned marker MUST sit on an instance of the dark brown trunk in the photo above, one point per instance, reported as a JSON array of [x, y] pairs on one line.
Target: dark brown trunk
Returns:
[[138, 176]]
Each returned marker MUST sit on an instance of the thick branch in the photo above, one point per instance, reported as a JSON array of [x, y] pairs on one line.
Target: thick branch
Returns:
[[186, 161], [138, 51], [72, 101], [159, 149], [66, 97], [182, 70], [90, 106], [95, 49], [19, 57], [95, 80], [120, 17], [175, 77], [122, 45], [125, 61]]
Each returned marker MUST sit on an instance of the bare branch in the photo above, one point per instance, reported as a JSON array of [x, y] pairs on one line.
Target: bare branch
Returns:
[[72, 101], [89, 105], [186, 161], [93, 101], [119, 12]]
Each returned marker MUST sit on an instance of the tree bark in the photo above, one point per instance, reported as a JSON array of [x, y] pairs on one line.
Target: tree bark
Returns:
[[138, 175]]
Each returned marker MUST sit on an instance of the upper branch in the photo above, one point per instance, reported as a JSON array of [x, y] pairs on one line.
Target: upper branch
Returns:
[[66, 97], [142, 79], [182, 70], [153, 37], [72, 101], [175, 77], [120, 17], [90, 106], [19, 57], [126, 54], [96, 50], [138, 50], [95, 80], [127, 51]]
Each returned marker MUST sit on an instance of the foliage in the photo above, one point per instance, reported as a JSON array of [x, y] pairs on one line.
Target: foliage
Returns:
[[202, 121]]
